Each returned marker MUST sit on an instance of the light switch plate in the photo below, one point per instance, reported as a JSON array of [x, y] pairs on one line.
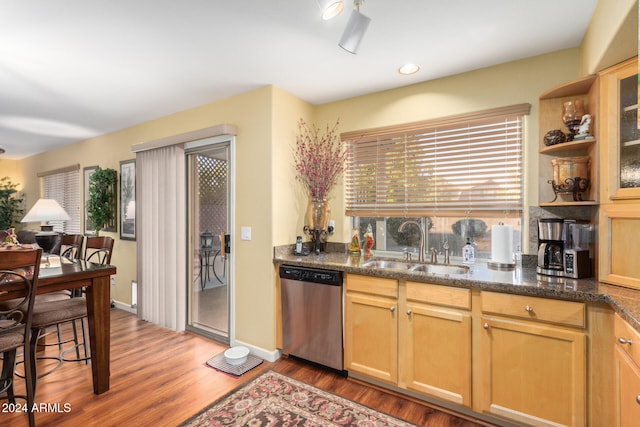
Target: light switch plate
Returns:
[[245, 233]]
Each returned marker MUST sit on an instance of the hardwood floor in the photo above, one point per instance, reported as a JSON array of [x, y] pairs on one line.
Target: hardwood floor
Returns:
[[159, 378]]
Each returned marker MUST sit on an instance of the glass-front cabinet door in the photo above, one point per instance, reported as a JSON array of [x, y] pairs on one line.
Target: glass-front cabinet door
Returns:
[[619, 139], [620, 142]]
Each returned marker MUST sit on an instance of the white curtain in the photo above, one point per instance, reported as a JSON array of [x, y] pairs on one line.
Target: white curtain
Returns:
[[161, 236]]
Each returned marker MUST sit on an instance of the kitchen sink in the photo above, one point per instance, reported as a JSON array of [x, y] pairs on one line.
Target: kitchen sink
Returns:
[[381, 263], [413, 266], [440, 268]]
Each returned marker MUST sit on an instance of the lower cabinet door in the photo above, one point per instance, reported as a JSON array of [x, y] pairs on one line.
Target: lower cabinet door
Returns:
[[371, 336], [533, 373], [437, 357], [627, 389]]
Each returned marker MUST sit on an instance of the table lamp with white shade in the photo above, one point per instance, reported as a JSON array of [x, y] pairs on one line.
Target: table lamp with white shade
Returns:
[[43, 211]]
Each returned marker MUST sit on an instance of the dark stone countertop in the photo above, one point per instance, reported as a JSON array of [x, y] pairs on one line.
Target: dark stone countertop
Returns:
[[522, 281]]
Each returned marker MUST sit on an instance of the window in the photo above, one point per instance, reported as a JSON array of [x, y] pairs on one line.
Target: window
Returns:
[[457, 175], [63, 185]]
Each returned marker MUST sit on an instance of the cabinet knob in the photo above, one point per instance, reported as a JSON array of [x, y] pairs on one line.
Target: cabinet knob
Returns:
[[528, 309], [409, 312], [392, 308], [638, 399], [624, 341], [486, 326]]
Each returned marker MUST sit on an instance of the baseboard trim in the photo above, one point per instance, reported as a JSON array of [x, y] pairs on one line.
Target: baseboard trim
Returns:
[[125, 307], [269, 356]]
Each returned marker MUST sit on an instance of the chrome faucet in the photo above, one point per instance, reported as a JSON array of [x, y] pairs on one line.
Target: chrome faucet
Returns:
[[421, 250]]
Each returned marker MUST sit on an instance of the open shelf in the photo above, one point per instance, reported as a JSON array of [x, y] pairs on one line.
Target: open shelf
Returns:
[[576, 87], [573, 145], [550, 118]]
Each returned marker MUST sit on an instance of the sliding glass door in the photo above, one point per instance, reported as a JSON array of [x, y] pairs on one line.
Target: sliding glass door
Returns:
[[209, 206]]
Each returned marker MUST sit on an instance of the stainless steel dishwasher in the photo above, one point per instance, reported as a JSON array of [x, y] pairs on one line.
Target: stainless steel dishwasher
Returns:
[[312, 315]]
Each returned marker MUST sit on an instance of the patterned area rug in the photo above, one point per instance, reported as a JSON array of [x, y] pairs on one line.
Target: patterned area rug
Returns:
[[273, 399]]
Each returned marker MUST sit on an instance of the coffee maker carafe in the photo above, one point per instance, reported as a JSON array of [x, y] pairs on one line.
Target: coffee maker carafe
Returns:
[[550, 246]]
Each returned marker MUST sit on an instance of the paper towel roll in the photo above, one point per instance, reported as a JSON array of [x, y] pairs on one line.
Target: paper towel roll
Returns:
[[502, 244]]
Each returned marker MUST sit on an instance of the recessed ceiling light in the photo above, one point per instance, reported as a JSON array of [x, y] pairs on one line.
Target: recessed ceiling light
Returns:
[[408, 69]]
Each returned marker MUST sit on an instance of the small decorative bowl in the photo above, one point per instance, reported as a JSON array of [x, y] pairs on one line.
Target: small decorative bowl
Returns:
[[555, 136], [236, 355]]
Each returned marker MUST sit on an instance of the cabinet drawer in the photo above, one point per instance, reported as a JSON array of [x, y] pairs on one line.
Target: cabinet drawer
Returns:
[[371, 285], [439, 295], [624, 331], [534, 308]]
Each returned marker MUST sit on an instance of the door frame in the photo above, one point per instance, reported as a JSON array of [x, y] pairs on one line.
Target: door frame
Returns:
[[194, 147]]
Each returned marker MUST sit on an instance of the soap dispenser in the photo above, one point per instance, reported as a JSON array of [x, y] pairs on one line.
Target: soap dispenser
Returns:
[[468, 253]]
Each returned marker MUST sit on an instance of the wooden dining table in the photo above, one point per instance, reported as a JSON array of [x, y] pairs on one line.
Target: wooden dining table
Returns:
[[60, 274]]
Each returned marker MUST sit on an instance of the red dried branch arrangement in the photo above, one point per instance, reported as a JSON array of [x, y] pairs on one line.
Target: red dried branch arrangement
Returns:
[[319, 158]]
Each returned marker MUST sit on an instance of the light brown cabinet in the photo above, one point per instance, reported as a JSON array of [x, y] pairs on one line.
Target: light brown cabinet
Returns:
[[435, 342], [619, 132], [371, 327], [619, 138], [533, 360], [415, 336], [627, 374]]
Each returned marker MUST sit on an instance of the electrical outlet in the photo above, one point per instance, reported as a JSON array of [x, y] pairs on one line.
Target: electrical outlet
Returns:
[[113, 281]]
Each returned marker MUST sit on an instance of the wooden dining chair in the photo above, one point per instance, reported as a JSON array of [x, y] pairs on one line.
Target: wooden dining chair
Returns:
[[19, 269], [98, 249], [71, 246], [71, 250]]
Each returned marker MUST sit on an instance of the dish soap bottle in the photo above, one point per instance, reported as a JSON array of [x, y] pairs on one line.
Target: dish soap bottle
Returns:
[[468, 253], [354, 247]]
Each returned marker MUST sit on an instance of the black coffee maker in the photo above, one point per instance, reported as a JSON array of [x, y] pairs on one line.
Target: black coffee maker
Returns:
[[550, 246]]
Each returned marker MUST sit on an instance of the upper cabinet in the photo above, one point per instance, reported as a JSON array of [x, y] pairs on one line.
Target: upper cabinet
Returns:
[[619, 139], [620, 132], [568, 161]]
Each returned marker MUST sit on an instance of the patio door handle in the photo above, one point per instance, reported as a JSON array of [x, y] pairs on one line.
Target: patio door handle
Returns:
[[222, 243]]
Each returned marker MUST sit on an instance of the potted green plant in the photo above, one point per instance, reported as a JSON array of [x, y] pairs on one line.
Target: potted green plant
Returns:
[[101, 206], [11, 203]]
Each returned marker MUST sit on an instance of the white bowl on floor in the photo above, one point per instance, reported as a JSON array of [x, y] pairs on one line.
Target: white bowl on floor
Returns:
[[236, 355]]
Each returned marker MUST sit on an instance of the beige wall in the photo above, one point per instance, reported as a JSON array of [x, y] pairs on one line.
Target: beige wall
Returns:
[[268, 199], [105, 151], [12, 169], [507, 84], [612, 35], [287, 193]]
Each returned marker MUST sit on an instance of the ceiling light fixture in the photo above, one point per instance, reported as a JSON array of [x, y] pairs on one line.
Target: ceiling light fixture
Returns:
[[354, 32], [407, 69], [330, 8]]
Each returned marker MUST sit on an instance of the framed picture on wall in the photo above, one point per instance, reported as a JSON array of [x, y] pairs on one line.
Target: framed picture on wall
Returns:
[[86, 174], [128, 199]]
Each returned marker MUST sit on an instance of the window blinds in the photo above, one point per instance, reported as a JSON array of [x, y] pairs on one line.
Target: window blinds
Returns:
[[447, 167], [63, 185]]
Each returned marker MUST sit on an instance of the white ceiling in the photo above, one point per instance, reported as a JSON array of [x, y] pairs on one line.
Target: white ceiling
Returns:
[[73, 69]]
